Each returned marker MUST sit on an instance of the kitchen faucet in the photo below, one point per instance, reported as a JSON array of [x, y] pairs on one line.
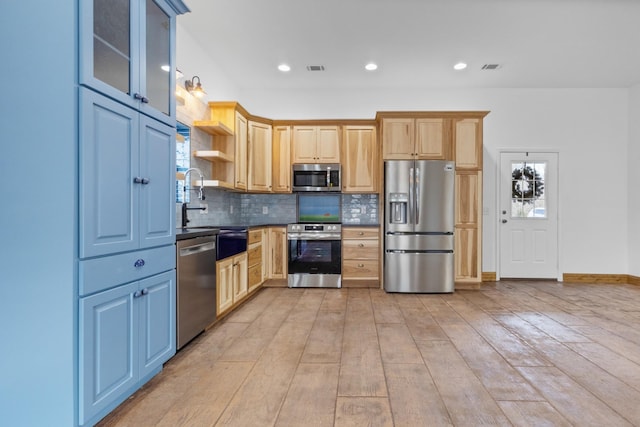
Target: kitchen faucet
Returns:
[[185, 219]]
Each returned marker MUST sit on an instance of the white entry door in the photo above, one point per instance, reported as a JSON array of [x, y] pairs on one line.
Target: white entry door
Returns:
[[528, 216]]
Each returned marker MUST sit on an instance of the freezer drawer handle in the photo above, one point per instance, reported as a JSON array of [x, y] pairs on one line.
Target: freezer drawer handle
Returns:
[[423, 251]]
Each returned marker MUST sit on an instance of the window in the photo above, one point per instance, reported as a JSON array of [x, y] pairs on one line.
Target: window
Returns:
[[527, 190], [183, 158]]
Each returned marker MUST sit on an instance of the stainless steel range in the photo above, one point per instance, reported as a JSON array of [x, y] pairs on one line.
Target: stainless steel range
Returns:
[[315, 255]]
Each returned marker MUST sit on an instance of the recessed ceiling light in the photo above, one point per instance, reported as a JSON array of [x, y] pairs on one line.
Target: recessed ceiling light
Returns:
[[284, 68], [460, 66], [371, 66]]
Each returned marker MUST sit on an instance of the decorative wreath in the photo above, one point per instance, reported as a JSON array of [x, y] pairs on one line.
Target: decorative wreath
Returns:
[[527, 184]]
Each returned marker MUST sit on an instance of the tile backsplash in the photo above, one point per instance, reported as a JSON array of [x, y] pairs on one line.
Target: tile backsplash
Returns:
[[227, 208]]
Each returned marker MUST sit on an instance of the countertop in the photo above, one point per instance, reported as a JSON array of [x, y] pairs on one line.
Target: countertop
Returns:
[[199, 231]]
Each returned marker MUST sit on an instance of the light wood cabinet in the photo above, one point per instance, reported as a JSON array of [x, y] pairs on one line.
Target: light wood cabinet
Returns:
[[281, 155], [240, 161], [468, 226], [231, 287], [416, 138], [277, 253], [359, 159], [360, 256], [255, 259], [259, 157], [468, 144], [316, 144]]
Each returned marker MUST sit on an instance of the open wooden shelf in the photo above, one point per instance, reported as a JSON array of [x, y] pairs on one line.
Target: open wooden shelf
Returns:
[[213, 127], [213, 155], [216, 183]]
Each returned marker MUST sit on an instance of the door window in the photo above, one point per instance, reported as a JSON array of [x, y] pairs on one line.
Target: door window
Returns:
[[527, 189]]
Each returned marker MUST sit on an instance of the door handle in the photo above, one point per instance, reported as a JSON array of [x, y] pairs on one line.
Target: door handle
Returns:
[[504, 221]]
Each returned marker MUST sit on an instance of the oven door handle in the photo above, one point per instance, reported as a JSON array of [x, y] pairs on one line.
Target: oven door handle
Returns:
[[313, 236]]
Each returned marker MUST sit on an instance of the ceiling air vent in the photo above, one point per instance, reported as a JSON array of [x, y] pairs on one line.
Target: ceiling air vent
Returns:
[[490, 66], [315, 67]]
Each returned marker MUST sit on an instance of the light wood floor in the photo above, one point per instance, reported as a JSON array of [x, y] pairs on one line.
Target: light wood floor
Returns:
[[514, 353]]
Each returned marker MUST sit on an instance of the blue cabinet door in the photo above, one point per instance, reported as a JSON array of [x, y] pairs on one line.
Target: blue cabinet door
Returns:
[[157, 316], [157, 199], [108, 344], [109, 150]]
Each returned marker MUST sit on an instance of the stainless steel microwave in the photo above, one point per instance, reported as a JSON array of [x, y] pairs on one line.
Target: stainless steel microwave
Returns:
[[316, 177]]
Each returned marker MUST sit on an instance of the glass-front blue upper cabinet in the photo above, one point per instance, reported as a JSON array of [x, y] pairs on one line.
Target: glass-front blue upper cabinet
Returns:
[[127, 52]]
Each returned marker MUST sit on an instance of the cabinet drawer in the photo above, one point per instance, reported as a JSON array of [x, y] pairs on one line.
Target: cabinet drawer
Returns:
[[255, 236], [254, 255], [106, 272], [255, 275], [359, 233], [360, 249], [360, 269]]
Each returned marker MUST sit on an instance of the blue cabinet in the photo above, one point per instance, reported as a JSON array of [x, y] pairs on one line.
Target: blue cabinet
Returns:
[[125, 336], [127, 174], [128, 46]]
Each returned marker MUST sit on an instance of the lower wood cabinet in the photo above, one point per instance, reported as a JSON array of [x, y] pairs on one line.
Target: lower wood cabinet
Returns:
[[232, 281], [277, 253], [360, 256], [125, 335], [254, 259]]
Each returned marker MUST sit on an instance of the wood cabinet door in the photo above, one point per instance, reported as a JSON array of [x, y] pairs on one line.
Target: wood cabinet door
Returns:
[[359, 160], [281, 178], [328, 144], [468, 144], [240, 159], [278, 252], [397, 138], [467, 255], [433, 139], [467, 206], [259, 157], [304, 144], [224, 285], [240, 276]]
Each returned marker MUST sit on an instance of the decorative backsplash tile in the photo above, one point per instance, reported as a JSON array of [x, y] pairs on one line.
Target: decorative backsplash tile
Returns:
[[360, 209], [227, 208]]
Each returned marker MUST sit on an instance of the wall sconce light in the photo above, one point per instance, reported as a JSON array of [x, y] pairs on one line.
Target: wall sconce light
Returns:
[[194, 88]]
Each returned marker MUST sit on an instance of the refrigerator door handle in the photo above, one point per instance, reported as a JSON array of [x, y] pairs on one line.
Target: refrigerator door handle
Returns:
[[412, 188], [417, 202]]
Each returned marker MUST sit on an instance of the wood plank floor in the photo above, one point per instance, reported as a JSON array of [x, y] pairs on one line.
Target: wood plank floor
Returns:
[[521, 353]]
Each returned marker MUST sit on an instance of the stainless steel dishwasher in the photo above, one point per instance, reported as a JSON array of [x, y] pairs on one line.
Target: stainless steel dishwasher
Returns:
[[196, 290]]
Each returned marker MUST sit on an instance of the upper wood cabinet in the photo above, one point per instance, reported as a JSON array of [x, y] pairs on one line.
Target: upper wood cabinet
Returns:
[[416, 138], [316, 144], [468, 143], [259, 157], [359, 159], [281, 164], [241, 152]]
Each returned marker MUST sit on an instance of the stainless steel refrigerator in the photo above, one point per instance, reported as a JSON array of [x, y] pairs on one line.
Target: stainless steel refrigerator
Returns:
[[419, 225]]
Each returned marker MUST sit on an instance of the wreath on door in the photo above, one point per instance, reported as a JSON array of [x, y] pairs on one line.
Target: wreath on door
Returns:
[[526, 184]]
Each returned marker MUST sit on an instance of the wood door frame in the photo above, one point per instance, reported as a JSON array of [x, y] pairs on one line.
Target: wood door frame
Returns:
[[498, 240]]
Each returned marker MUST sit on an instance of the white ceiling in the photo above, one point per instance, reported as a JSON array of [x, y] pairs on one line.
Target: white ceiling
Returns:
[[538, 43]]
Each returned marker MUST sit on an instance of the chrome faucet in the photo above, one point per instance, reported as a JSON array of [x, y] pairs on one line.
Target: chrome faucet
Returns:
[[185, 219]]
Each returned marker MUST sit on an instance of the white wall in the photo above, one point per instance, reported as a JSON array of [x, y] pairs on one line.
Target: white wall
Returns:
[[633, 195], [587, 126], [192, 61]]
